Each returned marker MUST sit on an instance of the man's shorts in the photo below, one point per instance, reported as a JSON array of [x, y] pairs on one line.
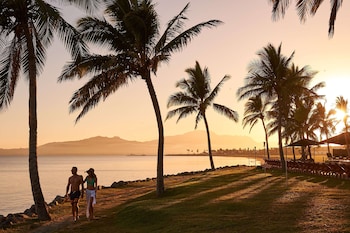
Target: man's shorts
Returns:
[[74, 195]]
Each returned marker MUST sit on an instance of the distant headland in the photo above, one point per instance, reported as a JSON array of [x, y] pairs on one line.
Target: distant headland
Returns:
[[194, 142]]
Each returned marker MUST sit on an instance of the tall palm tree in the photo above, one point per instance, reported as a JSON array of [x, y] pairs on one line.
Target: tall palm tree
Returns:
[[196, 97], [266, 78], [342, 105], [306, 8], [255, 110], [136, 49], [298, 101], [26, 30]]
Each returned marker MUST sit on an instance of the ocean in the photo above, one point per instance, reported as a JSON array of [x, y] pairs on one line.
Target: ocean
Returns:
[[54, 171]]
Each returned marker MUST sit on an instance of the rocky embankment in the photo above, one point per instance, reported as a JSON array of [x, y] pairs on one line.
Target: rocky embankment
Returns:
[[11, 219]]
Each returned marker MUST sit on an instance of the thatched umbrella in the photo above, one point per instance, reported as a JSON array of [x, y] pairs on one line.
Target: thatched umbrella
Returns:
[[338, 139], [303, 143]]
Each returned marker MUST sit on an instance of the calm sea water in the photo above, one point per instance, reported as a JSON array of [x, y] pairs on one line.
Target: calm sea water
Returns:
[[16, 195]]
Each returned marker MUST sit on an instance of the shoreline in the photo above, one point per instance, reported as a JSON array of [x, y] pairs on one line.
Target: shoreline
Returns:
[[12, 219]]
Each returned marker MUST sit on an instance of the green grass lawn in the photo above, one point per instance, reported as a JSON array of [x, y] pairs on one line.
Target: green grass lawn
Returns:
[[231, 200]]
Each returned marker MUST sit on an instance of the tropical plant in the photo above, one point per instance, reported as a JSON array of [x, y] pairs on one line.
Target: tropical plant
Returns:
[[254, 110], [326, 121], [278, 82], [266, 78], [306, 8], [301, 124], [342, 104], [132, 36], [196, 97]]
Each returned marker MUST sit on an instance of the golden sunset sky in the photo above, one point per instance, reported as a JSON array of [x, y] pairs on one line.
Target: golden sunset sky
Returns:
[[225, 50]]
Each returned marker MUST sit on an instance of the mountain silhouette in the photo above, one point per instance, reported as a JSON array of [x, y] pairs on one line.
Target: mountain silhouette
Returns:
[[191, 142]]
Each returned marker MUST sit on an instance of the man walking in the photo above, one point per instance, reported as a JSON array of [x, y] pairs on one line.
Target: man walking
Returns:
[[74, 183]]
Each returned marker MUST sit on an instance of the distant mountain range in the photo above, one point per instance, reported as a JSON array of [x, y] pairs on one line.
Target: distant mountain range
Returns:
[[192, 142]]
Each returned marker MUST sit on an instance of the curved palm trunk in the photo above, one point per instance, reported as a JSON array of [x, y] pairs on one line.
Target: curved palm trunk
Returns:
[[160, 173], [38, 197], [209, 143], [266, 140]]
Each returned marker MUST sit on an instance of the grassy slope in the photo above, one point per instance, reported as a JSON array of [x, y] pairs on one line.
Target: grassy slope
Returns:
[[237, 199]]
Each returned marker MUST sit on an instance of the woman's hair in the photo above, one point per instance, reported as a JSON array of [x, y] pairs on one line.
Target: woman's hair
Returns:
[[92, 173]]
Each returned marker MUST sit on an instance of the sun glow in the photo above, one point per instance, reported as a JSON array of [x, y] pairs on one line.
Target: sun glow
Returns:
[[340, 115]]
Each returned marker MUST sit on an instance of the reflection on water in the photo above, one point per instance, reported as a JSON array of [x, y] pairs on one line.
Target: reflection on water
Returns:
[[55, 170]]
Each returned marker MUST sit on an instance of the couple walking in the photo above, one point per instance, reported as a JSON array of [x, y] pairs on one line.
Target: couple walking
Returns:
[[74, 183]]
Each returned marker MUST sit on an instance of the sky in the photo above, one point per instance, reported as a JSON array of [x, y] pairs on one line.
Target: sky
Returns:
[[225, 50]]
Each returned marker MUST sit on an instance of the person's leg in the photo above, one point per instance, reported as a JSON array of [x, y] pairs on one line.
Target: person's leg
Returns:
[[76, 201], [91, 208], [73, 209]]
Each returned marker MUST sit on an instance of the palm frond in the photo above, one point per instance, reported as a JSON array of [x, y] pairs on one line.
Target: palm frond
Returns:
[[9, 73], [101, 32], [44, 23], [231, 114], [217, 88], [279, 8], [183, 112], [173, 28], [71, 38], [181, 98], [303, 7], [92, 64], [97, 89], [188, 87], [199, 117], [336, 4], [185, 37], [89, 6], [252, 120]]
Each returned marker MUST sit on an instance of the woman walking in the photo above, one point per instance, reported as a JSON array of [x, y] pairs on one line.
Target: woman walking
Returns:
[[91, 181]]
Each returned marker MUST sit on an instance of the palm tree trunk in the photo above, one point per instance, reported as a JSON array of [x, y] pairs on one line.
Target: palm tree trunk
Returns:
[[280, 146], [266, 140], [294, 158], [38, 197], [209, 143], [160, 172]]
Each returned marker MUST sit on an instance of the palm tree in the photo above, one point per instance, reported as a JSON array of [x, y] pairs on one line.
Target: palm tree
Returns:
[[266, 78], [306, 8], [342, 105], [299, 99], [255, 109], [136, 49], [325, 121], [301, 124], [196, 97], [279, 82], [26, 30]]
